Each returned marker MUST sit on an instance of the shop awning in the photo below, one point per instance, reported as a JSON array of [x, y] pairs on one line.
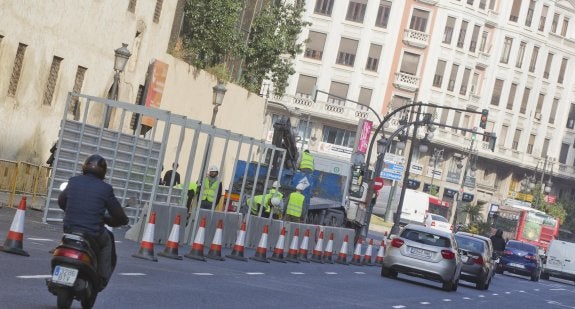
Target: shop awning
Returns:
[[435, 201]]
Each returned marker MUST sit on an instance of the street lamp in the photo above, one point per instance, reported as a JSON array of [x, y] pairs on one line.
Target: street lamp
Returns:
[[121, 57], [437, 154], [219, 91]]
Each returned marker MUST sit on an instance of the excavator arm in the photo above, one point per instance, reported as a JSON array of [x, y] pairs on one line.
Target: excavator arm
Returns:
[[284, 138]]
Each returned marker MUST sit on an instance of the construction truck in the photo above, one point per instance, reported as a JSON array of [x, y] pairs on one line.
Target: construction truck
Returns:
[[327, 202]]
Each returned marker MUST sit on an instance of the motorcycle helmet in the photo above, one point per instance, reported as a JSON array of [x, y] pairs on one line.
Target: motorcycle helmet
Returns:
[[95, 165]]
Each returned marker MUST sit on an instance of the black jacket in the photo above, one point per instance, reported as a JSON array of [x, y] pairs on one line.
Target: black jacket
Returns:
[[89, 203]]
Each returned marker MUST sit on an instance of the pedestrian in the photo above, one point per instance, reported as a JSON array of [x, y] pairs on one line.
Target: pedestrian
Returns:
[[192, 191], [306, 163], [172, 174], [267, 200], [497, 241], [295, 204], [52, 157], [277, 210], [212, 188]]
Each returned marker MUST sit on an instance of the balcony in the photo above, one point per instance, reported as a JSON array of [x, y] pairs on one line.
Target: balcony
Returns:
[[430, 2], [406, 81], [415, 38], [482, 60], [492, 17]]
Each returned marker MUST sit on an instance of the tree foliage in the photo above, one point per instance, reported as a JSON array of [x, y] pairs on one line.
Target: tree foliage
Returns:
[[473, 212]]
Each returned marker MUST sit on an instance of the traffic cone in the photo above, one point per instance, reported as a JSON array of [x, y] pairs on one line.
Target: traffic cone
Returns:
[[380, 252], [197, 252], [171, 248], [15, 239], [328, 251], [342, 256], [316, 254], [356, 258], [238, 250], [278, 254], [146, 251], [292, 252], [367, 256], [216, 247], [302, 254], [262, 249]]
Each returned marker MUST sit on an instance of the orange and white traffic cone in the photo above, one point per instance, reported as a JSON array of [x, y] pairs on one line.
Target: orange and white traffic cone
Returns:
[[356, 258], [15, 240], [216, 247], [238, 250], [380, 253], [292, 252], [328, 251], [316, 254], [278, 254], [146, 251], [368, 252], [262, 249], [302, 254], [342, 256], [171, 248], [197, 252]]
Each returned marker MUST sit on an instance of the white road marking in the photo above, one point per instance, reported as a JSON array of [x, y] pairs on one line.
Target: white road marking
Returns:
[[131, 274], [255, 273], [557, 289], [34, 276], [507, 292], [297, 273], [494, 294], [330, 273], [359, 272], [203, 274], [480, 296], [424, 302], [398, 306], [446, 299], [466, 298], [536, 290], [39, 239], [521, 291], [552, 302]]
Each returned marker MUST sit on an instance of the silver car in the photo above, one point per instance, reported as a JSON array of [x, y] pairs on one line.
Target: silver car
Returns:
[[477, 260], [424, 252]]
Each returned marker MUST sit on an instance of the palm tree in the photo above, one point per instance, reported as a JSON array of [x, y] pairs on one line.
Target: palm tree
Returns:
[[473, 212]]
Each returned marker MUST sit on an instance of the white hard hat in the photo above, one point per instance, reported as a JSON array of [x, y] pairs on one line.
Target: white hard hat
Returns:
[[213, 168], [276, 201], [300, 187], [276, 184]]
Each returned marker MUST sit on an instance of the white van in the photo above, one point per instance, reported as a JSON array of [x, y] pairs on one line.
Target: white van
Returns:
[[560, 261]]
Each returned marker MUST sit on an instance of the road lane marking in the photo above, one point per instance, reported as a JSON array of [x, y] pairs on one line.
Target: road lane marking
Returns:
[[557, 289], [398, 306], [424, 302], [480, 296], [359, 272], [255, 273], [446, 299], [466, 298], [507, 292], [132, 274], [536, 290], [330, 273], [494, 294], [552, 302], [203, 274], [34, 276], [297, 273], [39, 239]]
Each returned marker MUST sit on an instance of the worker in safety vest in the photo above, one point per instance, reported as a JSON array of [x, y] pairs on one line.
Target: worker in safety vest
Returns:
[[192, 191], [306, 163], [295, 204], [212, 188], [267, 200]]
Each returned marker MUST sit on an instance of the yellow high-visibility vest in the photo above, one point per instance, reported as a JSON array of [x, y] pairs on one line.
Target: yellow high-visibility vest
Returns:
[[306, 161], [191, 187], [257, 200], [210, 191], [295, 204]]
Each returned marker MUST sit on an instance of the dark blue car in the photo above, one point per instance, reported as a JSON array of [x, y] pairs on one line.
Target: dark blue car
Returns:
[[520, 258]]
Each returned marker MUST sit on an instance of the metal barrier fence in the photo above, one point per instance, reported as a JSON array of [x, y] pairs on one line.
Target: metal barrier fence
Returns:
[[23, 178]]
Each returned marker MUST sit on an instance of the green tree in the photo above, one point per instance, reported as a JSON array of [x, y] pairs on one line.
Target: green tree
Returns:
[[473, 212]]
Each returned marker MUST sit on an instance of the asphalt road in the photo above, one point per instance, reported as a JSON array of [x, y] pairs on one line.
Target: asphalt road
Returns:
[[188, 283]]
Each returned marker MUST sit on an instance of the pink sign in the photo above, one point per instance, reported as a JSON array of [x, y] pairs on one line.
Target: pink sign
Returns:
[[365, 134]]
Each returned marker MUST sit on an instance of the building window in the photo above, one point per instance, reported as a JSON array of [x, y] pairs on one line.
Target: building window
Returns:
[[456, 120], [520, 54], [305, 86], [158, 10], [543, 18], [474, 37], [323, 7], [17, 69], [315, 45], [533, 62], [132, 6], [571, 118], [503, 137], [548, 65], [373, 57], [337, 93], [525, 100], [356, 11], [465, 81], [338, 136], [383, 14], [365, 96], [482, 4], [545, 147], [539, 106], [52, 78], [399, 101], [561, 75], [530, 144], [565, 26], [419, 20], [409, 63], [563, 153], [439, 71], [496, 96], [529, 17], [514, 16], [475, 84], [74, 108], [448, 32], [346, 52], [452, 77], [462, 32], [507, 44], [511, 98], [444, 115], [553, 112], [554, 23], [516, 139], [483, 42]]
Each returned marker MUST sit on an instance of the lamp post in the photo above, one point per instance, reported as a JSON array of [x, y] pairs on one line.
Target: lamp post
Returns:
[[437, 153], [465, 167], [545, 188], [121, 57]]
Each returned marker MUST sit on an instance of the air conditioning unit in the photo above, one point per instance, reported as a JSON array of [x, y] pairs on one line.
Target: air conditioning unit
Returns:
[[538, 116]]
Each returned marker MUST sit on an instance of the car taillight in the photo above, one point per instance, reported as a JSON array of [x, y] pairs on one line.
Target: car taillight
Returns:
[[73, 254], [478, 260], [451, 227], [432, 223], [507, 252], [447, 254], [530, 257], [397, 242]]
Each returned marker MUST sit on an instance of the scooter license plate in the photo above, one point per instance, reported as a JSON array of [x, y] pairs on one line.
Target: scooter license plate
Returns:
[[64, 275]]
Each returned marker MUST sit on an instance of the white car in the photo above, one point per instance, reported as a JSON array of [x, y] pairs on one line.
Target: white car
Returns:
[[437, 222]]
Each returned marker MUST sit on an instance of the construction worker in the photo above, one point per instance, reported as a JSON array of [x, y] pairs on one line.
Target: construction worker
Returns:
[[212, 188], [306, 163], [192, 191], [277, 211], [295, 204], [266, 200]]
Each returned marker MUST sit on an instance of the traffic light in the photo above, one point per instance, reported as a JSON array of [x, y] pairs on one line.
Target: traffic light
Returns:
[[492, 141], [483, 119]]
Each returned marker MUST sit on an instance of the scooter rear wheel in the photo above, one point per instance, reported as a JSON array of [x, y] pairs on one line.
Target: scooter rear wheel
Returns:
[[90, 301], [65, 299]]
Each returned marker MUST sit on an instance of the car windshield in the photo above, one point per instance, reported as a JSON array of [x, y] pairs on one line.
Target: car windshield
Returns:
[[522, 246], [426, 238], [438, 218], [470, 244]]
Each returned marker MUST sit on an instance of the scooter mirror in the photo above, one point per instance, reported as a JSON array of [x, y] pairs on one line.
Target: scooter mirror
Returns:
[[63, 186]]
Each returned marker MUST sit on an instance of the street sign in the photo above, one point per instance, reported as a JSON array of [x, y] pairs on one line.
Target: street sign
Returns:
[[378, 184], [393, 158], [391, 176]]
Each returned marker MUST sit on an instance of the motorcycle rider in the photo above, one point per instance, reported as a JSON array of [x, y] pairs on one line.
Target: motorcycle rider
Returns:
[[89, 203], [497, 241]]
